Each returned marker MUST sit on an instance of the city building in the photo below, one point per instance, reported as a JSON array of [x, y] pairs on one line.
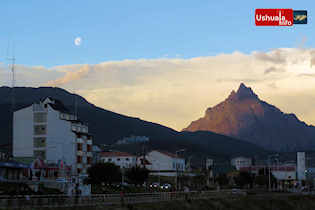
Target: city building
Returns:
[[284, 172], [49, 131], [165, 163], [121, 159], [96, 150], [300, 163], [13, 171], [239, 162]]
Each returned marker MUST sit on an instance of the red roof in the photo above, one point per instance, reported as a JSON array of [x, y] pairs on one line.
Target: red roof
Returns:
[[116, 154]]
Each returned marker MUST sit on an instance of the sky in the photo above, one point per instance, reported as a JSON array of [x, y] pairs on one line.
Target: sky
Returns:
[[162, 61]]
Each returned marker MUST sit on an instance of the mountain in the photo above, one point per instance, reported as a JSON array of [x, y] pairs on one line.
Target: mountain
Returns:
[[108, 127], [243, 115]]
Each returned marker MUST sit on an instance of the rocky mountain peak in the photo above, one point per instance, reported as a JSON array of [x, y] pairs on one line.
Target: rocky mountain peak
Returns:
[[243, 115], [243, 92]]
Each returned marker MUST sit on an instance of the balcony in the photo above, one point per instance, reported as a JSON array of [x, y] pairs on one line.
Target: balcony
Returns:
[[89, 154], [79, 165], [89, 142], [79, 140], [80, 153]]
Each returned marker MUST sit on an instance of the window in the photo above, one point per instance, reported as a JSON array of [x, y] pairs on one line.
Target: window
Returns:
[[118, 159], [79, 159], [39, 129], [40, 117], [79, 147], [79, 170], [109, 159], [89, 148], [127, 159], [40, 154], [39, 142], [89, 160]]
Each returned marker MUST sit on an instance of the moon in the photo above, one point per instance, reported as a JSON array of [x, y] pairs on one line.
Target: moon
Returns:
[[78, 41]]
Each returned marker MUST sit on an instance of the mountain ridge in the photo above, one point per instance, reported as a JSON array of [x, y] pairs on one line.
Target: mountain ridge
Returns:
[[107, 127], [245, 116]]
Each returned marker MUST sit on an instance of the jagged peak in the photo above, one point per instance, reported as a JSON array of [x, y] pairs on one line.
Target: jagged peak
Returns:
[[243, 92]]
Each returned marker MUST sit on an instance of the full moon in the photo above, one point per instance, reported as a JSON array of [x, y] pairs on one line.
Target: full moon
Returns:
[[78, 41]]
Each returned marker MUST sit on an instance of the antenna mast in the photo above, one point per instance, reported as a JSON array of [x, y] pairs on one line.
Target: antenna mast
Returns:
[[12, 59]]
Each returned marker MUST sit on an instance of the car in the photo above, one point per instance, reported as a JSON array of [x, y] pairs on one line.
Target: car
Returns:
[[166, 186], [155, 185], [61, 180]]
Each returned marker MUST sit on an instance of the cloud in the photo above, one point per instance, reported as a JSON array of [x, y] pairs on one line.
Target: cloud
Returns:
[[273, 70], [276, 56], [307, 75], [70, 76], [175, 91]]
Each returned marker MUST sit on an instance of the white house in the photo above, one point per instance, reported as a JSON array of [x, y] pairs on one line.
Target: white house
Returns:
[[165, 163], [121, 159], [240, 162], [47, 130]]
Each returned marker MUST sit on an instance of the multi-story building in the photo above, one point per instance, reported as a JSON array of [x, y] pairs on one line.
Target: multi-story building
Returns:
[[165, 163], [47, 130], [121, 159]]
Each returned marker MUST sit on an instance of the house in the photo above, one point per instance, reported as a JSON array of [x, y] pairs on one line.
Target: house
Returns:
[[49, 131], [239, 162], [121, 159], [284, 172], [13, 171], [165, 163]]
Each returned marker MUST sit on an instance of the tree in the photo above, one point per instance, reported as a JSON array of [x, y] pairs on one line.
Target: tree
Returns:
[[104, 173], [243, 178], [263, 178], [222, 179], [137, 175]]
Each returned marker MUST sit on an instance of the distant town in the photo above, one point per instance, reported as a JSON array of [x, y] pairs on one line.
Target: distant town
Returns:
[[53, 149]]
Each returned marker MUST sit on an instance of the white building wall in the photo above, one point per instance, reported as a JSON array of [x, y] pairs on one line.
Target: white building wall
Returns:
[[60, 139], [122, 162], [23, 132], [160, 161], [284, 175], [301, 166], [240, 162]]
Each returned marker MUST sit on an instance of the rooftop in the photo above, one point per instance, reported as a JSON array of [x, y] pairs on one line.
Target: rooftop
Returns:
[[116, 154]]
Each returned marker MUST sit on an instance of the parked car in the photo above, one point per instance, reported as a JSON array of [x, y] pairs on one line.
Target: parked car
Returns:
[[61, 180], [166, 186], [155, 185]]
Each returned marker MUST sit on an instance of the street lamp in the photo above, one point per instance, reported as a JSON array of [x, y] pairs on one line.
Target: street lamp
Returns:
[[269, 175]]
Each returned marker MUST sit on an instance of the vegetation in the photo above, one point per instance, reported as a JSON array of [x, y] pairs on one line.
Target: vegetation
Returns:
[[137, 175], [104, 173]]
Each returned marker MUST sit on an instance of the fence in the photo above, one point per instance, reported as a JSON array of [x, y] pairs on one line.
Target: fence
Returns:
[[20, 201]]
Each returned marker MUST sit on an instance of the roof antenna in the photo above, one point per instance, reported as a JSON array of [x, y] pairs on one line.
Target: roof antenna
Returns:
[[12, 59]]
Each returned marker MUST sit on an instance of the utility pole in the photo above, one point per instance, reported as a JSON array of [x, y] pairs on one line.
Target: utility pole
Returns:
[[176, 165]]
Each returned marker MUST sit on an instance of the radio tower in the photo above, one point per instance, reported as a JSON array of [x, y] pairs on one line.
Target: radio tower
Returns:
[[12, 59]]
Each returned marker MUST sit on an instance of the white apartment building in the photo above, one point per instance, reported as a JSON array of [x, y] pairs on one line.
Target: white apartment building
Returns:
[[240, 162], [48, 131], [165, 163], [121, 159]]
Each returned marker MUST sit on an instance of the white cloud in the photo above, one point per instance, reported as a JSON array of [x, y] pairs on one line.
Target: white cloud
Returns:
[[175, 91]]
